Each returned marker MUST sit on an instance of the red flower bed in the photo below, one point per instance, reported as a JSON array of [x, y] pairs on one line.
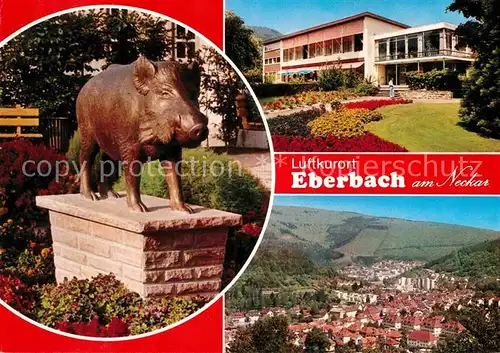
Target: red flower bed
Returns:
[[374, 104], [364, 143], [116, 328], [16, 294], [251, 229], [28, 170]]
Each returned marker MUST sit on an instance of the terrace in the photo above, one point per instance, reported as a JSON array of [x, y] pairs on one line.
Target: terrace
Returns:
[[417, 43]]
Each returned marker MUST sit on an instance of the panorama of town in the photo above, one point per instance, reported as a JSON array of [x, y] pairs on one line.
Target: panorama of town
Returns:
[[390, 304]]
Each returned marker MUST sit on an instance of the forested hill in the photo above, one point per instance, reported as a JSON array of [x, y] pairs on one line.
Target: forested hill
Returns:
[[325, 235], [476, 261], [265, 33]]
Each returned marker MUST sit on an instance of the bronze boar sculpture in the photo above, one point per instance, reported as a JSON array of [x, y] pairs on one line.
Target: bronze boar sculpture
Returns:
[[139, 112]]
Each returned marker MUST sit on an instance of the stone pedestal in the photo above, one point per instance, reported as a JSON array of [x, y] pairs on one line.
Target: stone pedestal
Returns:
[[252, 139], [158, 253]]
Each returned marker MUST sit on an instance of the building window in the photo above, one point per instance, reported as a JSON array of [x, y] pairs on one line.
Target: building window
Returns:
[[412, 46], [392, 48], [312, 50], [286, 55], [337, 47], [401, 47], [449, 41], [347, 44], [278, 59], [298, 53], [190, 35], [382, 50], [304, 52], [328, 47], [191, 49], [431, 43], [358, 42], [319, 49], [181, 50], [181, 32]]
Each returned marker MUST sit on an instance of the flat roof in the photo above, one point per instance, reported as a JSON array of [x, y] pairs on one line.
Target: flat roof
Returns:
[[338, 22], [423, 28]]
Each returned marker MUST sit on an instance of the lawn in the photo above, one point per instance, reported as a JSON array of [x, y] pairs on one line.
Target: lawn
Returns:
[[429, 127]]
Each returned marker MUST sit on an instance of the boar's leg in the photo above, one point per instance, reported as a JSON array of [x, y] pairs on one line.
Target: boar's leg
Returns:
[[132, 172], [170, 163], [109, 169], [88, 152]]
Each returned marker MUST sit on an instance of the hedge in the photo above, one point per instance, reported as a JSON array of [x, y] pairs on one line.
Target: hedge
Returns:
[[436, 80]]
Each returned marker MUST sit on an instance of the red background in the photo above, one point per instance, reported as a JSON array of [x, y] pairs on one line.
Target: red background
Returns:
[[204, 332], [415, 167], [205, 16]]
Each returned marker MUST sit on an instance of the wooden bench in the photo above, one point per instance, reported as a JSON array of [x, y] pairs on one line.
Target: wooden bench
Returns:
[[19, 117]]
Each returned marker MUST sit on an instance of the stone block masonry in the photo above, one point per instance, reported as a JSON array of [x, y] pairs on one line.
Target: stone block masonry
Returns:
[[425, 94], [159, 253]]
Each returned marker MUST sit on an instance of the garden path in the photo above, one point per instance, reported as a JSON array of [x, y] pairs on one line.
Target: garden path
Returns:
[[258, 162]]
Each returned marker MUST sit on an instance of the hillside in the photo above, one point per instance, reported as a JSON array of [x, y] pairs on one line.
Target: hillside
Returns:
[[265, 33], [279, 277], [345, 236], [475, 261]]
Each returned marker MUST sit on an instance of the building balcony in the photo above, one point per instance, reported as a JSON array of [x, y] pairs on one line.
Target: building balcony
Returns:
[[417, 56], [322, 60]]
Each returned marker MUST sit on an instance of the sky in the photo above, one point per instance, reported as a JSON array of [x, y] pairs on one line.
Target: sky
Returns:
[[479, 212], [289, 16]]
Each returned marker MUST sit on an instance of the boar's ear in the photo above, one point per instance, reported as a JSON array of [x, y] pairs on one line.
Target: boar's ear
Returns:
[[144, 71]]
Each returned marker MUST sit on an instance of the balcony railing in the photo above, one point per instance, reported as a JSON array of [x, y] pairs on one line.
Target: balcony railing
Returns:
[[425, 54]]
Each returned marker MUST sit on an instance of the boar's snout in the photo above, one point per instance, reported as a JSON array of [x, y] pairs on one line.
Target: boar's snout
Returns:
[[198, 132]]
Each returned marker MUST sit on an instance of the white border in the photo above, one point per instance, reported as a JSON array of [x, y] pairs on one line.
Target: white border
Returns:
[[273, 174], [392, 154]]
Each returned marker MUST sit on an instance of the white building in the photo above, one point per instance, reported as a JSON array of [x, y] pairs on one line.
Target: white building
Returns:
[[377, 47]]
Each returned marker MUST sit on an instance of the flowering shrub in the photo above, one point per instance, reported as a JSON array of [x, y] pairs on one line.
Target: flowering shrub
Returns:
[[340, 124], [16, 236], [116, 328], [103, 306], [16, 294], [364, 143], [35, 265], [160, 313], [310, 98], [294, 124], [18, 189], [365, 115], [374, 104], [251, 229], [76, 300], [343, 123]]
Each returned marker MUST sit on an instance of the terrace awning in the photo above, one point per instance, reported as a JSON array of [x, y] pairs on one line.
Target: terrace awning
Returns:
[[305, 71], [346, 66]]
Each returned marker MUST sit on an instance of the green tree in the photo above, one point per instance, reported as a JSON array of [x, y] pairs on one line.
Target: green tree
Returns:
[[482, 332], [129, 34], [316, 341], [265, 336], [219, 76], [45, 66], [481, 104], [350, 347], [240, 45]]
